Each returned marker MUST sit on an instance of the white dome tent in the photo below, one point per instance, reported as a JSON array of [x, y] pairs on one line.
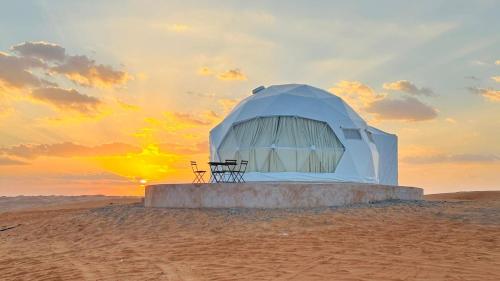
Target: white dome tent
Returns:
[[302, 133]]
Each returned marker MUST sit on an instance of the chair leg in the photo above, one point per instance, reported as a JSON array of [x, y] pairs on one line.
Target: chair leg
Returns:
[[240, 177], [198, 178]]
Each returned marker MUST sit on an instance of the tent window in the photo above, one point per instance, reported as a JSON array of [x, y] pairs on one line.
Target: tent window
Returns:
[[352, 134], [283, 144]]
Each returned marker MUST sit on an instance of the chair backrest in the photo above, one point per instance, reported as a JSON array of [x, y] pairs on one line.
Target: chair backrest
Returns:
[[243, 166], [194, 167], [232, 164]]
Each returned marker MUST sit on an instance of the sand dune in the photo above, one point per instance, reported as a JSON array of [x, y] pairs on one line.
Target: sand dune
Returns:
[[23, 203], [93, 240], [469, 195]]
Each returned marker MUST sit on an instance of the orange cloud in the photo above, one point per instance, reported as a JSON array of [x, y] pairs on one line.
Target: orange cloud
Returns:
[[66, 99], [489, 94], [496, 78], [229, 75], [53, 58], [67, 149], [363, 98], [232, 74], [356, 94], [407, 109], [205, 71], [84, 71], [32, 62], [15, 72], [408, 87]]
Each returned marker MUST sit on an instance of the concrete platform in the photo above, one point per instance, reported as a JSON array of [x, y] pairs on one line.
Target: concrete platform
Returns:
[[273, 194]]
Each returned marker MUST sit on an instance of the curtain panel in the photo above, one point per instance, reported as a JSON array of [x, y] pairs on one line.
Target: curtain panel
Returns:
[[283, 144]]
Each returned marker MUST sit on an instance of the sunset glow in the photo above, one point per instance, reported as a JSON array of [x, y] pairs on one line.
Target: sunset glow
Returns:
[[125, 95]]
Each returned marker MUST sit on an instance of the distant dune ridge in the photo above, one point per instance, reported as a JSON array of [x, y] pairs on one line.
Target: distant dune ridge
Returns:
[[60, 202], [468, 195], [454, 236]]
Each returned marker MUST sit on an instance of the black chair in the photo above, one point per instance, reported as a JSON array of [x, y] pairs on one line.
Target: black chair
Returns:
[[217, 172], [198, 174], [240, 172], [230, 169]]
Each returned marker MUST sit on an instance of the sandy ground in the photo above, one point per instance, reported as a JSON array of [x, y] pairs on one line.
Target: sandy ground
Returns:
[[115, 238]]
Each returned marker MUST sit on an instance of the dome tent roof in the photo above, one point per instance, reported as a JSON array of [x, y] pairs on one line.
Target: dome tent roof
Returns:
[[360, 161]]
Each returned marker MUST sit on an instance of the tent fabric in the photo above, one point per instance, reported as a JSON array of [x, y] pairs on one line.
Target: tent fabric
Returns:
[[297, 132], [283, 144]]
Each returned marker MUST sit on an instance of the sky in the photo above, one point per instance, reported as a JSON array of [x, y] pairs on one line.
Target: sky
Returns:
[[102, 97]]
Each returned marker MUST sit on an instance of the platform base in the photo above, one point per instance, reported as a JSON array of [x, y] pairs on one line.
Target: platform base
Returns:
[[273, 195]]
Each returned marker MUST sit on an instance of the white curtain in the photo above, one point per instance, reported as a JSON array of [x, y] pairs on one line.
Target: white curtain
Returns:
[[283, 144]]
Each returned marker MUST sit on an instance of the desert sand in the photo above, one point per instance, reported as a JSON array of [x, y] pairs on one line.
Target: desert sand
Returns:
[[448, 237]]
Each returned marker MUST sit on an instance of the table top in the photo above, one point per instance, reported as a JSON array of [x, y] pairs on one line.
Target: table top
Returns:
[[222, 163]]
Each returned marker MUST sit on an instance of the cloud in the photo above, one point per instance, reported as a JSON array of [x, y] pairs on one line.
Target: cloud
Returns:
[[489, 94], [66, 99], [497, 62], [408, 87], [27, 67], [86, 72], [451, 158], [363, 98], [6, 161], [188, 119], [68, 149], [356, 94], [205, 71], [232, 74], [41, 50], [406, 108], [14, 71], [496, 78]]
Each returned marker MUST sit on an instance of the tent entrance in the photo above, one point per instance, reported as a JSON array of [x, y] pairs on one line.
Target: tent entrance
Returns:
[[283, 144]]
